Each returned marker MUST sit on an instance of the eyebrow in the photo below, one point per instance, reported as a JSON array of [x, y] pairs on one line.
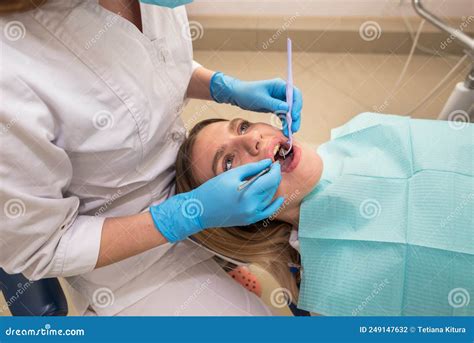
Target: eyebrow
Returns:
[[231, 127]]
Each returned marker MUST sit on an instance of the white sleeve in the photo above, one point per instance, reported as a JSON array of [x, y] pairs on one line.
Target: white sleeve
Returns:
[[196, 65], [41, 234]]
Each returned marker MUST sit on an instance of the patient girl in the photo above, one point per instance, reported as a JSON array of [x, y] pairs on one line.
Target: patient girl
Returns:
[[389, 156], [216, 145]]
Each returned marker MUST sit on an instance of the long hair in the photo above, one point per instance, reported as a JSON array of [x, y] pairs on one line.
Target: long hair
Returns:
[[264, 245]]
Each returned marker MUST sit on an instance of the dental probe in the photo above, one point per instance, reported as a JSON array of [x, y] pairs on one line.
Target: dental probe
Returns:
[[247, 183], [289, 97]]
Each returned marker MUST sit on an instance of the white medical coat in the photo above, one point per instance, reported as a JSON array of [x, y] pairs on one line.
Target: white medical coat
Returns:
[[90, 112]]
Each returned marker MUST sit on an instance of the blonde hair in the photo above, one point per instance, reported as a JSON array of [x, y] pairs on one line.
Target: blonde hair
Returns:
[[264, 245], [9, 6]]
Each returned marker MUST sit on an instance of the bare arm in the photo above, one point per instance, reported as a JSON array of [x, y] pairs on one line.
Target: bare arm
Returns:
[[123, 237], [198, 87]]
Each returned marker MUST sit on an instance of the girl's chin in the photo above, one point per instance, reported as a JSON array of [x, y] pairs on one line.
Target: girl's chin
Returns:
[[288, 188], [304, 177]]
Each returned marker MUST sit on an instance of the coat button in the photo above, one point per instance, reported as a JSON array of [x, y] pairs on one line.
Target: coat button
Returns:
[[165, 55]]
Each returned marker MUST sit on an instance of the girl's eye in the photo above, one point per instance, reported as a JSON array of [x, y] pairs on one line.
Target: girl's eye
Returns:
[[243, 127], [228, 162]]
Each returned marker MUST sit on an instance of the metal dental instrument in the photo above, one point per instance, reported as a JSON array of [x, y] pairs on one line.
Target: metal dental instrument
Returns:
[[289, 97], [289, 101], [248, 182]]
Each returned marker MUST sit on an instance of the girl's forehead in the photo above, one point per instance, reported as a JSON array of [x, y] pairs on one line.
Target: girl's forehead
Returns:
[[211, 136]]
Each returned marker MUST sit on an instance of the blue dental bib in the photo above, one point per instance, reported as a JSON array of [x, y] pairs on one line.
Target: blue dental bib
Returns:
[[389, 230]]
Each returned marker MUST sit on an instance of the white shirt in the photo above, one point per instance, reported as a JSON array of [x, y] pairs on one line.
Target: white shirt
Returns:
[[90, 129]]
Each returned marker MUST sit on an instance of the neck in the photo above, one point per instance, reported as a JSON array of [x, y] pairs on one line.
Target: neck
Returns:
[[128, 9], [290, 210], [290, 214]]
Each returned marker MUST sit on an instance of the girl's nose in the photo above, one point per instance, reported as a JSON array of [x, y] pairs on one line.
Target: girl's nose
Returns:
[[251, 142]]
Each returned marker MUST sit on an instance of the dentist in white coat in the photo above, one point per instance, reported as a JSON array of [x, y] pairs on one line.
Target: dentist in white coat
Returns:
[[91, 96]]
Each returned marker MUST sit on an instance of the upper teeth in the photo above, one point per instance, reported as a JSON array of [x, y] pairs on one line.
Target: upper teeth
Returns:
[[276, 148]]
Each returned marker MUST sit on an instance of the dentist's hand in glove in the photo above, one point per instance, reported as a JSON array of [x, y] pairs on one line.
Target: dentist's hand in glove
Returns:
[[217, 203], [258, 96]]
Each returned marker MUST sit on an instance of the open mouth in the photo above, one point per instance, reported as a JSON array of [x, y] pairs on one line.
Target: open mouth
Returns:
[[286, 158]]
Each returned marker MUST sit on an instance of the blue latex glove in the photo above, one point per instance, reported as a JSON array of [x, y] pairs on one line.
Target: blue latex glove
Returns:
[[217, 203], [258, 96]]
